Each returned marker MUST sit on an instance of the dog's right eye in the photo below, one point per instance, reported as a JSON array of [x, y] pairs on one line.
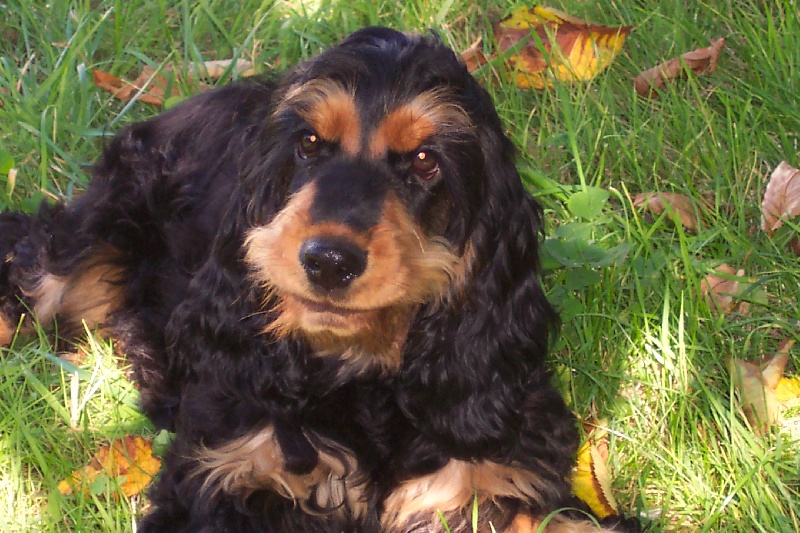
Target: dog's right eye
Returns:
[[309, 145], [424, 165]]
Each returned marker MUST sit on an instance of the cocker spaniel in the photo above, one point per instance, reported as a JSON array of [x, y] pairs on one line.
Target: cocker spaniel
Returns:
[[327, 288]]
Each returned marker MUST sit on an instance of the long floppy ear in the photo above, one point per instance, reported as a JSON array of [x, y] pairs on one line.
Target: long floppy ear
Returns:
[[470, 366]]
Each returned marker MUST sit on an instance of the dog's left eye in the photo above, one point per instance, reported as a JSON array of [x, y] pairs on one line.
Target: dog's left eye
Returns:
[[424, 165], [308, 145]]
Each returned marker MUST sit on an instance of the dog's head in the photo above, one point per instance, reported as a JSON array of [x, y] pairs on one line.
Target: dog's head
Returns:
[[386, 187]]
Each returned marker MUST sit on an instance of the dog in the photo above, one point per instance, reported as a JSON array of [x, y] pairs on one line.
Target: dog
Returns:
[[328, 288]]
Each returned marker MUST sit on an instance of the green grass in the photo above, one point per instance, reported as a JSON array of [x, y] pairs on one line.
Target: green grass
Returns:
[[640, 347]]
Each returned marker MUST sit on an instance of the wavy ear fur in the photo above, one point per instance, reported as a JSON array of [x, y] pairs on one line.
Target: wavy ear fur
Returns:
[[471, 367]]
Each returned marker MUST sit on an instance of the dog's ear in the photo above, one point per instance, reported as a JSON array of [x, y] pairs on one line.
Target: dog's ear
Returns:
[[470, 363]]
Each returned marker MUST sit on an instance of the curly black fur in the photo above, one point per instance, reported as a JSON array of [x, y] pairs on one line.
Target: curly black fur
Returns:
[[168, 214]]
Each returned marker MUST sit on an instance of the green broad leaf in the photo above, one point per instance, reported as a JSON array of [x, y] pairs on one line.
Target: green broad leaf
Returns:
[[581, 231], [617, 254], [99, 485], [649, 266], [161, 442], [31, 204], [589, 203], [576, 253], [549, 263], [753, 293], [580, 278], [567, 305]]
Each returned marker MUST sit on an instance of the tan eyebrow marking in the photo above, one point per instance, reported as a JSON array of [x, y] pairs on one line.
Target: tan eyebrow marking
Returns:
[[330, 109], [408, 126]]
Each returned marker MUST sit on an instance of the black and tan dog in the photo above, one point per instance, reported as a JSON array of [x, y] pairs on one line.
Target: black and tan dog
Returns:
[[327, 287]]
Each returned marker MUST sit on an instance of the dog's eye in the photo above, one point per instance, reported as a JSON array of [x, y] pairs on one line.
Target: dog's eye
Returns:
[[424, 165], [309, 145]]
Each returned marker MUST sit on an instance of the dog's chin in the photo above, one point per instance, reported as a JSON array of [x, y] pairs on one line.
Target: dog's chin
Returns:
[[323, 318], [364, 338]]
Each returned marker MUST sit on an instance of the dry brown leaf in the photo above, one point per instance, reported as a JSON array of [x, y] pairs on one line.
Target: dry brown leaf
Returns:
[[721, 292], [681, 209], [473, 57], [574, 50], [149, 87], [6, 332], [153, 87], [128, 461], [591, 481], [701, 61], [781, 201], [217, 68], [757, 383]]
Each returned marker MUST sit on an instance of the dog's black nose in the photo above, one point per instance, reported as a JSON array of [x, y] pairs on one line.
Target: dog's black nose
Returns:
[[332, 263]]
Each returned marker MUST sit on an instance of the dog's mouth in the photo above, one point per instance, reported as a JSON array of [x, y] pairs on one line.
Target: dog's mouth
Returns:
[[326, 316], [330, 307]]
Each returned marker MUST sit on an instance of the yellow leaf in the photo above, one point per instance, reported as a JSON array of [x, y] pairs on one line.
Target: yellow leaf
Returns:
[[788, 392], [129, 461], [524, 18], [591, 481], [573, 49]]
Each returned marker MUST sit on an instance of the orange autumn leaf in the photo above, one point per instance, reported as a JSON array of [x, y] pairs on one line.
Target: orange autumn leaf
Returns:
[[555, 45], [757, 384], [781, 201], [128, 461], [149, 87], [591, 481], [681, 209], [701, 61]]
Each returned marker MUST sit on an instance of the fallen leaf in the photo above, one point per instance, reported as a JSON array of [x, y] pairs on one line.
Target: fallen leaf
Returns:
[[781, 201], [128, 461], [701, 61], [721, 292], [153, 87], [148, 87], [12, 181], [788, 393], [217, 68], [591, 481], [473, 57], [681, 209], [757, 383], [555, 45]]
